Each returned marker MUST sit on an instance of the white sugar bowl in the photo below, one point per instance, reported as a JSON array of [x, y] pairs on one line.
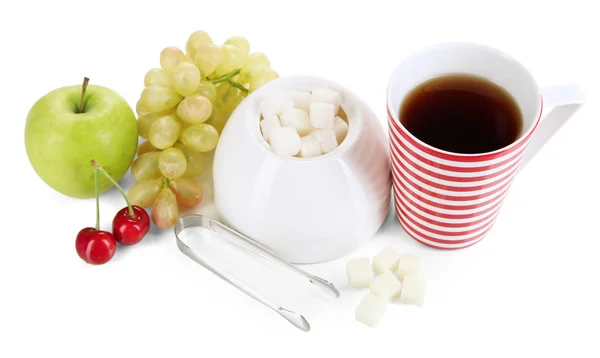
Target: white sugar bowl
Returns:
[[307, 210]]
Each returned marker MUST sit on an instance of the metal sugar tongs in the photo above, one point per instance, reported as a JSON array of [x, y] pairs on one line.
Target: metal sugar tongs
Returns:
[[228, 234]]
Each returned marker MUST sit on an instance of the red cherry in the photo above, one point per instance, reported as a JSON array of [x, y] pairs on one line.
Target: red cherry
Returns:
[[95, 247], [129, 230]]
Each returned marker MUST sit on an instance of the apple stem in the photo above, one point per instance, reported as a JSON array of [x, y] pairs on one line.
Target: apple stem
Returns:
[[83, 88], [97, 199], [114, 182]]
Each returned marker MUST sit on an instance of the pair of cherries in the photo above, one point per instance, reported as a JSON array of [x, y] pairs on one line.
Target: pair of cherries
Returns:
[[129, 227]]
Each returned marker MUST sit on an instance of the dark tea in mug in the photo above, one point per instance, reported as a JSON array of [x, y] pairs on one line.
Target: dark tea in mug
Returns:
[[462, 113]]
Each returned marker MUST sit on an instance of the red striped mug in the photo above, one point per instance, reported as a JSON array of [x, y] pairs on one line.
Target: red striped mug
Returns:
[[450, 200]]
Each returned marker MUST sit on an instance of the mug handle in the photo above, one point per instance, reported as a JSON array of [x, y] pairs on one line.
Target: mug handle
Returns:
[[562, 101]]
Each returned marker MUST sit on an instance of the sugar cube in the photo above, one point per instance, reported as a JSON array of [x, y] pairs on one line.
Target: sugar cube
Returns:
[[321, 115], [309, 147], [386, 286], [370, 310], [326, 95], [359, 272], [386, 260], [408, 265], [340, 127], [298, 119], [413, 290], [275, 104], [301, 100], [326, 139], [268, 124], [285, 141]]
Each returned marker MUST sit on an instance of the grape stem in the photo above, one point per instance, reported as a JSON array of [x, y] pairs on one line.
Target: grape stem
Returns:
[[165, 183], [229, 78], [97, 199], [114, 182], [83, 88], [237, 85]]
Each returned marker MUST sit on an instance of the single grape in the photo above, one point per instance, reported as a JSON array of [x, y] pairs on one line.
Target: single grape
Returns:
[[194, 109], [233, 58], [140, 108], [187, 191], [146, 167], [143, 193], [253, 62], [171, 57], [146, 120], [165, 212], [200, 137], [157, 76], [261, 77], [158, 99], [218, 119], [171, 163], [185, 78], [145, 147], [164, 132], [239, 42], [195, 161], [208, 90], [196, 39], [208, 57], [257, 59]]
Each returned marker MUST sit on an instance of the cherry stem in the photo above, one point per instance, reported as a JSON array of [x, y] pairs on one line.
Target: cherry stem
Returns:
[[114, 182], [97, 199], [83, 88], [229, 78]]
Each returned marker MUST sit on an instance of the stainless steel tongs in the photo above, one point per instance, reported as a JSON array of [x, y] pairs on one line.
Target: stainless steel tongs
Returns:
[[295, 318]]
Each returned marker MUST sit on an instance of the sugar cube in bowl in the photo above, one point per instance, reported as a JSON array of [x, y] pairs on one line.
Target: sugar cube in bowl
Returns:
[[307, 207], [298, 119], [285, 141], [309, 147], [322, 115], [268, 124]]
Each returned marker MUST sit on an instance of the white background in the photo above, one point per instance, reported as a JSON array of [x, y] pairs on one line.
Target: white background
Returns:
[[529, 289]]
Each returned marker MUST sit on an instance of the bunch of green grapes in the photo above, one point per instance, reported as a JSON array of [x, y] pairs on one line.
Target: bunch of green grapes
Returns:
[[181, 112]]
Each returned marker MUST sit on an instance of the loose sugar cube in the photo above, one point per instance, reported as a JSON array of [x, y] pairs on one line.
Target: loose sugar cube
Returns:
[[309, 147], [326, 139], [340, 127], [267, 125], [285, 141], [413, 290], [370, 310], [408, 265], [301, 100], [326, 95], [298, 119], [321, 115], [386, 286], [386, 260], [276, 104], [359, 272]]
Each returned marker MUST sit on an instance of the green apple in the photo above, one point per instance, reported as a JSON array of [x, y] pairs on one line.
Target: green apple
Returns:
[[72, 125]]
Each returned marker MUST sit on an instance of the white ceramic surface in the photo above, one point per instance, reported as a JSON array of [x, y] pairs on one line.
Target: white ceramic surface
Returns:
[[307, 210]]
